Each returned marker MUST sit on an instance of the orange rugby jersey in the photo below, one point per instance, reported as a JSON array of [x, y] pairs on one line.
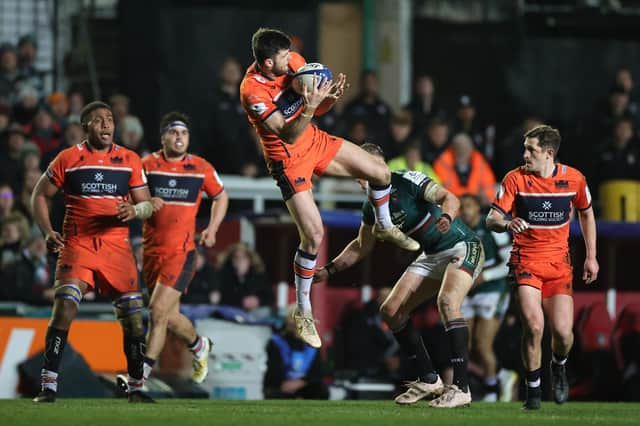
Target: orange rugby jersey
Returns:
[[94, 183], [261, 96], [180, 185], [545, 203]]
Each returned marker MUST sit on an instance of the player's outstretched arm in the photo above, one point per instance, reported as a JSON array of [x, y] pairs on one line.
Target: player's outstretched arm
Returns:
[[588, 225], [42, 194], [218, 211], [355, 251]]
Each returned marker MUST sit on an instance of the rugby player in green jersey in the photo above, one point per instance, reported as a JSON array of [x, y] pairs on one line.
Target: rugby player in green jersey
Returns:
[[451, 259]]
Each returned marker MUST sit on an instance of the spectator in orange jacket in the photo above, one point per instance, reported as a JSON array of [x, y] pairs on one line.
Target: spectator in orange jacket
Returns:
[[462, 169]]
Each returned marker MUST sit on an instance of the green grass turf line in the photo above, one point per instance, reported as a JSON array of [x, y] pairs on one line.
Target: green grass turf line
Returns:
[[181, 412]]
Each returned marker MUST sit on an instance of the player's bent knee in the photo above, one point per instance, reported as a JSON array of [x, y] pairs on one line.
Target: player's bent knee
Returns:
[[128, 311], [448, 306]]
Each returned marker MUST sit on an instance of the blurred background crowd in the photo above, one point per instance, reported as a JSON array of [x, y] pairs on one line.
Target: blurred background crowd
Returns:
[[450, 95]]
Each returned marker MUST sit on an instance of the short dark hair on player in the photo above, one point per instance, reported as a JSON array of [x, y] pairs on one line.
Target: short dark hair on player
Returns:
[[267, 42], [373, 149], [172, 116], [547, 136], [89, 108]]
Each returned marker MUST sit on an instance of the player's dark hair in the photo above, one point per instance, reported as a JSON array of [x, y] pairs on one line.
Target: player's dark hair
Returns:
[[172, 116], [85, 114], [267, 42], [547, 136], [373, 149]]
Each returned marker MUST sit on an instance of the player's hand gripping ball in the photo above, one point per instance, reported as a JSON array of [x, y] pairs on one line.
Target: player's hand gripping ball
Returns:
[[305, 75]]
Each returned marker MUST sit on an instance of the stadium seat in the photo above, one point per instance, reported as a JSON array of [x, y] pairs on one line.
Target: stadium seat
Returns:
[[619, 200]]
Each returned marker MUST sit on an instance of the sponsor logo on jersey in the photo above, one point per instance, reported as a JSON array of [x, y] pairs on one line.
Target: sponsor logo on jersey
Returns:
[[258, 108], [99, 187], [171, 193]]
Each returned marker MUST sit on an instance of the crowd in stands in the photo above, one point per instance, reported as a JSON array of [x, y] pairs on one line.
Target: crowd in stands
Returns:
[[451, 145]]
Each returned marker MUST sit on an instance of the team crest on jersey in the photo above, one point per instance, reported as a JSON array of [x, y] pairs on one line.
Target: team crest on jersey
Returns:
[[189, 166], [116, 160], [562, 183]]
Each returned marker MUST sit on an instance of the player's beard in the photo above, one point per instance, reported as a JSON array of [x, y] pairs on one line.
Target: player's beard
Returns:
[[172, 153], [279, 71], [98, 144]]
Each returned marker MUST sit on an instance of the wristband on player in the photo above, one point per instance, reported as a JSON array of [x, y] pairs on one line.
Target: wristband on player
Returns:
[[331, 268], [446, 216], [143, 209], [506, 226], [307, 115]]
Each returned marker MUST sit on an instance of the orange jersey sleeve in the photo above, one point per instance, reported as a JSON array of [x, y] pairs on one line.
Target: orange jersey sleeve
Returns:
[[138, 178], [256, 97], [296, 61], [55, 171], [582, 199], [212, 184], [506, 195]]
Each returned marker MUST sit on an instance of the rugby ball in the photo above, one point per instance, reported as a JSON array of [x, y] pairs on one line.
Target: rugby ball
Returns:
[[305, 74]]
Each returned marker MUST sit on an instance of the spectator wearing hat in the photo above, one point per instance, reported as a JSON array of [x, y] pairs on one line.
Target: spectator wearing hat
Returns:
[[466, 121], [59, 107], [8, 72], [27, 72]]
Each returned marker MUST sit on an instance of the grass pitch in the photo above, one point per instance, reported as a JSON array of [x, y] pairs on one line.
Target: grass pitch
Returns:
[[180, 412]]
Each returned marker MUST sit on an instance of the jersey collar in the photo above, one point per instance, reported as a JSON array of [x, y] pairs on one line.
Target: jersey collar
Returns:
[[91, 150]]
